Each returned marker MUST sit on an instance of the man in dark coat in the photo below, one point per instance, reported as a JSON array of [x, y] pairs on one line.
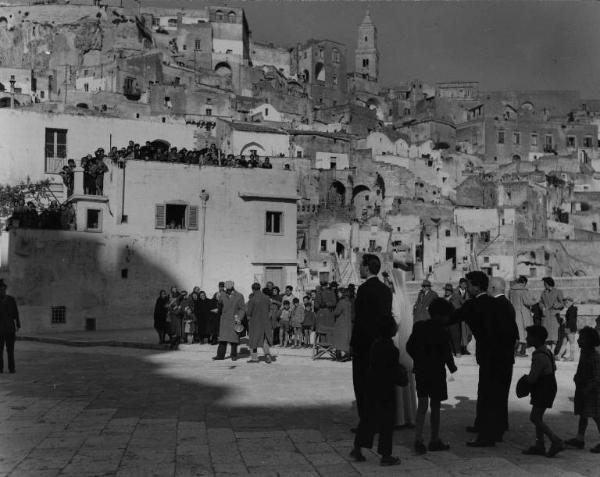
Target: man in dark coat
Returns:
[[479, 313], [373, 307], [9, 324], [506, 336], [259, 322], [232, 314], [424, 299]]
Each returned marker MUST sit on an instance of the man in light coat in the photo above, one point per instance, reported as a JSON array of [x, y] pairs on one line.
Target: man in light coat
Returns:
[[522, 301], [232, 312]]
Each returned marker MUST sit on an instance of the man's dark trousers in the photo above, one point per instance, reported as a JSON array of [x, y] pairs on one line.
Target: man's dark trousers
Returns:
[[9, 339], [222, 348]]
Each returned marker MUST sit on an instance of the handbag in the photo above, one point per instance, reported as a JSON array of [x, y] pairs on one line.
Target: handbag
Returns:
[[523, 387]]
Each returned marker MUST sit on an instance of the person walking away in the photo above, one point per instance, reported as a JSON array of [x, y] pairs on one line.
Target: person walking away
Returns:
[[260, 326], [506, 336], [160, 315], [542, 382], [296, 321], [551, 302], [233, 311], [9, 325], [383, 377], [429, 347], [479, 313], [373, 306], [587, 387], [424, 299], [522, 301], [342, 331], [284, 324], [570, 324], [455, 329]]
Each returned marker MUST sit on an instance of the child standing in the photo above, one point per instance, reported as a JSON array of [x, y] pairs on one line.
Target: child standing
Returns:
[[189, 324], [284, 324], [587, 386], [542, 381], [308, 325], [296, 321], [384, 363], [429, 347]]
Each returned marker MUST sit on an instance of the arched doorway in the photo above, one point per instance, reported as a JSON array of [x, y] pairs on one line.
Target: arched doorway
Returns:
[[223, 69], [5, 102], [337, 194], [358, 189]]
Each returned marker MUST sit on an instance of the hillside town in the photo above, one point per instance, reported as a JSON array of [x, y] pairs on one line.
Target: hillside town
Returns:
[[178, 150]]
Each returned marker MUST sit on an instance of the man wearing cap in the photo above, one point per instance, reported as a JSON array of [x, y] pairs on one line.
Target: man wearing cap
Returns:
[[424, 299], [552, 302], [9, 324], [233, 311]]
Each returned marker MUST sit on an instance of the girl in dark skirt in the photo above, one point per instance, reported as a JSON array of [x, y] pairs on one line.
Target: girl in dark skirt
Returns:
[[542, 381], [587, 386], [160, 315]]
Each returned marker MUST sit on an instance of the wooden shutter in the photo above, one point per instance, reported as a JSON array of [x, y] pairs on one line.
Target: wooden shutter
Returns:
[[160, 216], [192, 217]]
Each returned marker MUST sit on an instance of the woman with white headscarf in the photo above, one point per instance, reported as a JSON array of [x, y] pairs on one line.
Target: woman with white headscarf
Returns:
[[406, 397]]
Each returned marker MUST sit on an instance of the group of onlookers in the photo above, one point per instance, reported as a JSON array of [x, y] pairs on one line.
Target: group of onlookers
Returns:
[[324, 314], [29, 216]]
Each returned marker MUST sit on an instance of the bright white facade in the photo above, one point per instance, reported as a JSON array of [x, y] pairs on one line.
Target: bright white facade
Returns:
[[202, 226]]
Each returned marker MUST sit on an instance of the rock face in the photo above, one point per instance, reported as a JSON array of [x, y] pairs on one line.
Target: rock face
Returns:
[[46, 36]]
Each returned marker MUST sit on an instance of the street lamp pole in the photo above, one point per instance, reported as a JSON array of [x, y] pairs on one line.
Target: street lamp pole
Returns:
[[204, 198], [12, 82]]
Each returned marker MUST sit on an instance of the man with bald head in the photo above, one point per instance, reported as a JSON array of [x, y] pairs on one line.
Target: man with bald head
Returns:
[[506, 335]]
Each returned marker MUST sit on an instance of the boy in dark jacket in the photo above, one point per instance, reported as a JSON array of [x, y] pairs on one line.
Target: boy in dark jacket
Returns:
[[384, 362], [429, 347]]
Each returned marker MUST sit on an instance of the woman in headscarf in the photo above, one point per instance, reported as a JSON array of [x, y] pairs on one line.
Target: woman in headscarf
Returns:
[[160, 315], [342, 330], [204, 313], [406, 397]]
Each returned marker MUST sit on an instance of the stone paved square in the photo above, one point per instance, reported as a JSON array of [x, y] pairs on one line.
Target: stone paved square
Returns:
[[112, 411]]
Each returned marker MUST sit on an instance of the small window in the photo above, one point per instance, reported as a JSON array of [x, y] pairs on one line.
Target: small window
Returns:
[[299, 154], [486, 259], [447, 233], [500, 137], [516, 138], [365, 62], [274, 223], [86, 87], [232, 17], [372, 245], [184, 47], [334, 79], [58, 314], [534, 139], [197, 45], [532, 272], [172, 22], [219, 16], [208, 112], [587, 140], [397, 229], [176, 217], [594, 226], [93, 223], [571, 141], [548, 141], [266, 111], [124, 273]]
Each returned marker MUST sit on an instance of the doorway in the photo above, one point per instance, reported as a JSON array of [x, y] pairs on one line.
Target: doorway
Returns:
[[451, 255]]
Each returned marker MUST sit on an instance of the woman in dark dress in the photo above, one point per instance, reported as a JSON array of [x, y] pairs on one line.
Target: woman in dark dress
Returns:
[[160, 315], [204, 307]]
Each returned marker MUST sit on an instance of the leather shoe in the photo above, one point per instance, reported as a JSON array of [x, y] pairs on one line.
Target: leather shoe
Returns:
[[472, 429], [217, 358], [481, 443], [356, 454], [389, 460]]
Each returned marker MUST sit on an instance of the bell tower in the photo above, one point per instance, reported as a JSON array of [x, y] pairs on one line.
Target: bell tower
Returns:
[[366, 56]]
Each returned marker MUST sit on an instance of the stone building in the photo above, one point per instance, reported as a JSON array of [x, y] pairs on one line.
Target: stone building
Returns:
[[366, 59], [321, 66]]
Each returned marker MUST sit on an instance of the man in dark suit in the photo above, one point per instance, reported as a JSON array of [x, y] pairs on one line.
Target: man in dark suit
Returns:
[[9, 324], [480, 313], [373, 307], [506, 335]]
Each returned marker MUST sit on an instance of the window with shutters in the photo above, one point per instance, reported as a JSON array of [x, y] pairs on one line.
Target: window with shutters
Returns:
[[172, 216], [274, 223], [55, 150]]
